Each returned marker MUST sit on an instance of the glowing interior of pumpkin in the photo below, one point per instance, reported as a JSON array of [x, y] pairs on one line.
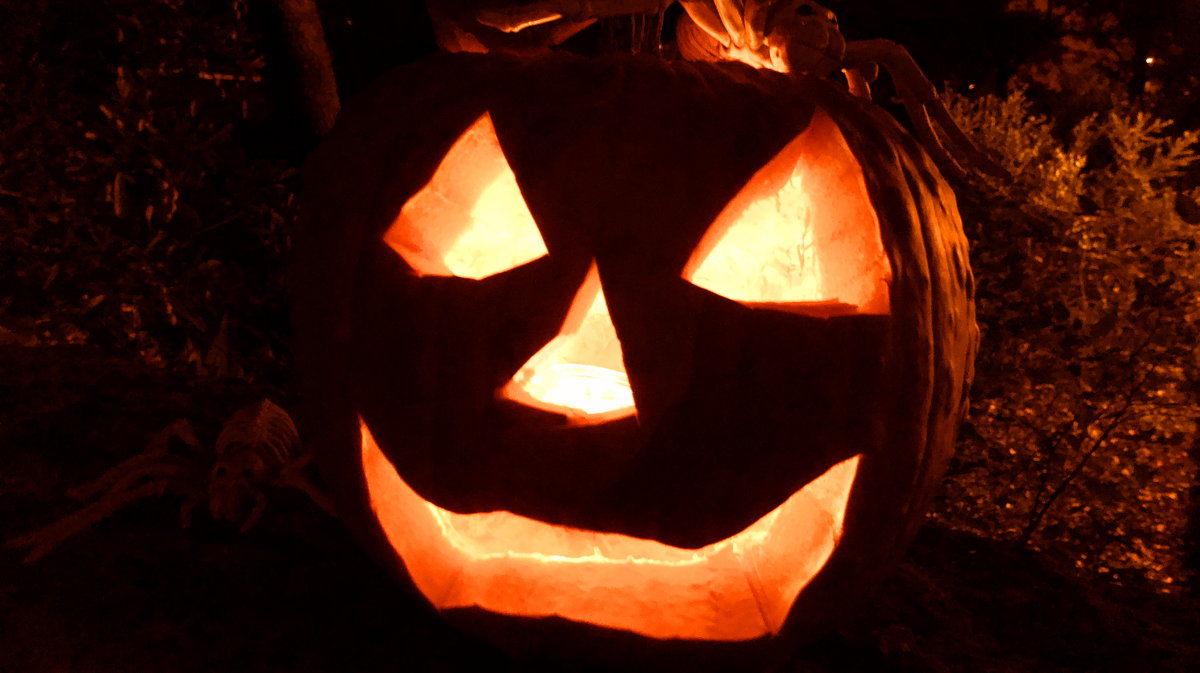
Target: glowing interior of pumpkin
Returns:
[[739, 588], [801, 235], [580, 372], [470, 219]]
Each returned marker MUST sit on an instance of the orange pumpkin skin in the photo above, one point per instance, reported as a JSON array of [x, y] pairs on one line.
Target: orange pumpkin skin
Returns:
[[624, 163]]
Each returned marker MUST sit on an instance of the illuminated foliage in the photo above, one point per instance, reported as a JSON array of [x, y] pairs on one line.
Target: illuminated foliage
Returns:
[[1089, 297]]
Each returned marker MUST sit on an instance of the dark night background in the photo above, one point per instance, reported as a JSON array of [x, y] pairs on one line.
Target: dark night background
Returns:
[[149, 160]]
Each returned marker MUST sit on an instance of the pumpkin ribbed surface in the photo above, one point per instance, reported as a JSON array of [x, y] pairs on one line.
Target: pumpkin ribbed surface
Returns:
[[429, 351]]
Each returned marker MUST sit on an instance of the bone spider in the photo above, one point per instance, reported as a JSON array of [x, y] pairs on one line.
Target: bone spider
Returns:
[[783, 35], [258, 445]]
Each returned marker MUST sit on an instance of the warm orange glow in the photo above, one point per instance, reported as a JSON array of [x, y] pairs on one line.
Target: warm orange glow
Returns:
[[581, 372], [755, 58], [470, 220], [739, 588], [801, 232]]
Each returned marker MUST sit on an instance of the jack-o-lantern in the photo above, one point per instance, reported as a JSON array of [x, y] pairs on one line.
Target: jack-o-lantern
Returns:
[[639, 351]]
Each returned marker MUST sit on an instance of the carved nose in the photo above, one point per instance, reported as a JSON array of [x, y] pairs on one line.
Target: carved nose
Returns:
[[581, 371]]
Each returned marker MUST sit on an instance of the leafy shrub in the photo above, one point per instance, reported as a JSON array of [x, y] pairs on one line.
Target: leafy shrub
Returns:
[[134, 218], [1086, 392]]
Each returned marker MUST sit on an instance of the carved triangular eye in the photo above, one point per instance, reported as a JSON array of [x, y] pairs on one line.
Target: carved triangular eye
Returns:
[[800, 236], [470, 220]]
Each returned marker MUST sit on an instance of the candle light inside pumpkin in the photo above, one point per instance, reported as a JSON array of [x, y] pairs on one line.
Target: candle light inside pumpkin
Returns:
[[470, 220], [580, 372]]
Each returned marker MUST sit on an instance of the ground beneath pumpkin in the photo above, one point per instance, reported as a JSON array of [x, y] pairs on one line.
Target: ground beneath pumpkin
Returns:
[[137, 593]]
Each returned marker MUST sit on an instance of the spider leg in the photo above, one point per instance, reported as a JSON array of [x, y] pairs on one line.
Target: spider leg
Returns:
[[148, 473], [730, 12], [515, 19], [924, 107], [919, 115], [962, 143], [755, 17], [260, 505], [43, 540], [858, 83], [116, 474], [292, 476], [189, 505], [155, 451], [704, 14], [137, 473]]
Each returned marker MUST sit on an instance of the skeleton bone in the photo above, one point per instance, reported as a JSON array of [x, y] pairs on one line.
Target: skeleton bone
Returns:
[[799, 35], [153, 472], [924, 106], [157, 449], [43, 540], [514, 18], [784, 35]]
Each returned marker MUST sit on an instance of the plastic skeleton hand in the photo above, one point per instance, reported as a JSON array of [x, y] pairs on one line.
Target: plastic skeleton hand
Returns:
[[802, 36], [783, 35]]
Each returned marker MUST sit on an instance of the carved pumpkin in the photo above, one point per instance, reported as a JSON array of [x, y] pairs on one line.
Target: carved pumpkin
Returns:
[[648, 352]]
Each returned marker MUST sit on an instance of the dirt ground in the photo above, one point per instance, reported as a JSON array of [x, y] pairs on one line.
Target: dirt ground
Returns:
[[138, 593]]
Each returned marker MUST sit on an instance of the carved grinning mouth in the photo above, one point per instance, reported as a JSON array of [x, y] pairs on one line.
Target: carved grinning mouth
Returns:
[[739, 588]]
